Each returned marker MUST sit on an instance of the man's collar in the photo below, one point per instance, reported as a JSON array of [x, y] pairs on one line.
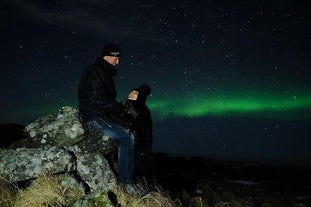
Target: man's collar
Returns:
[[106, 66]]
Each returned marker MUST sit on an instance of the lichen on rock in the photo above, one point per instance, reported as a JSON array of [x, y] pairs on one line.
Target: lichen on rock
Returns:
[[59, 129], [59, 144]]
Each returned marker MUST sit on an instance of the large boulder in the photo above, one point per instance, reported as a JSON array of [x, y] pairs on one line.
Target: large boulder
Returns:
[[64, 129], [29, 163], [94, 169], [60, 144], [59, 129], [91, 170]]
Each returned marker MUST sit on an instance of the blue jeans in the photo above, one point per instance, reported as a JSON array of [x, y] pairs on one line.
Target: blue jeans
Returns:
[[125, 140]]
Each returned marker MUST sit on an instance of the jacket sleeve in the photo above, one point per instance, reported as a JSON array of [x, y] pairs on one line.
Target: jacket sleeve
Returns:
[[102, 98], [99, 93], [118, 115]]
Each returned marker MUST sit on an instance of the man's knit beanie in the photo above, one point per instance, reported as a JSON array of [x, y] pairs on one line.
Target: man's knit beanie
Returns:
[[111, 50]]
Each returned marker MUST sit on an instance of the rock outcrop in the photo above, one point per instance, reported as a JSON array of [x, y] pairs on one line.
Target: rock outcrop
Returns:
[[59, 144], [29, 163]]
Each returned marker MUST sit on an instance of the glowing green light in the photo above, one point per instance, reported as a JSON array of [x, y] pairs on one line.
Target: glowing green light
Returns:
[[274, 106], [270, 105]]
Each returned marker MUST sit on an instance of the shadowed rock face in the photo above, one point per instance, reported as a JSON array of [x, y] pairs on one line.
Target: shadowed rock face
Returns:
[[59, 144], [10, 133]]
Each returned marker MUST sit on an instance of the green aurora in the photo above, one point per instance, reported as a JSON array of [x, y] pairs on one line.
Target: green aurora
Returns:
[[272, 106], [269, 106]]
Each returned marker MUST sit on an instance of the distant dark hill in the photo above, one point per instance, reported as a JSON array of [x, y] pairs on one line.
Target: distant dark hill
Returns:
[[10, 133]]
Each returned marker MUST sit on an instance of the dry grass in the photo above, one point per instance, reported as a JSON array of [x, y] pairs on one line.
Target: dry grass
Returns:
[[196, 202], [156, 198], [7, 192], [45, 191]]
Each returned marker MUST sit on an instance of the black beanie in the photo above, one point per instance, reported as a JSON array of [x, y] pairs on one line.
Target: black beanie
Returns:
[[143, 92], [111, 50]]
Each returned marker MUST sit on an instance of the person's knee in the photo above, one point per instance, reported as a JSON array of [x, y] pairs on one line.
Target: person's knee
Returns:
[[127, 140]]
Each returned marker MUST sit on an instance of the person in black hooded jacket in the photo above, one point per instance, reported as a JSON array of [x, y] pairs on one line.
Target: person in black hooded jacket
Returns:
[[142, 123], [100, 110], [143, 129]]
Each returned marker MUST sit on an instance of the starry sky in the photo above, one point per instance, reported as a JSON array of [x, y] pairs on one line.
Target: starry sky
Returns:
[[230, 79]]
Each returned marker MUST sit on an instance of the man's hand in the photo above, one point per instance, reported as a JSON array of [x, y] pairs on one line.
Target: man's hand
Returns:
[[129, 108]]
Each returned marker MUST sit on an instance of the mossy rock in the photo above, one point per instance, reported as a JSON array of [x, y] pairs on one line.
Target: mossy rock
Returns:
[[101, 200]]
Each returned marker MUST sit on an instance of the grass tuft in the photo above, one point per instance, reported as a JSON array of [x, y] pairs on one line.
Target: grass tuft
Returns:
[[155, 198], [7, 192], [45, 191]]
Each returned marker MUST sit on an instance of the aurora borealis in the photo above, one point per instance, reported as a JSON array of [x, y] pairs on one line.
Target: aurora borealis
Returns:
[[277, 107], [229, 79]]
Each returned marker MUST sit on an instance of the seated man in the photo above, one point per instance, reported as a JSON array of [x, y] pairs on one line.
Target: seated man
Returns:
[[100, 110]]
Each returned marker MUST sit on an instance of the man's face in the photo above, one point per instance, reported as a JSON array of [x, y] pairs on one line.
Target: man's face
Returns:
[[133, 95], [112, 60]]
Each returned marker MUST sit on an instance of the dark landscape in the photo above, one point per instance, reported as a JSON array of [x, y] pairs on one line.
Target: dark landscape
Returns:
[[201, 177], [196, 181]]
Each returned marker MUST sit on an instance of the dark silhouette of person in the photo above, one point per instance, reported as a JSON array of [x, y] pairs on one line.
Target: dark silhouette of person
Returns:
[[143, 130]]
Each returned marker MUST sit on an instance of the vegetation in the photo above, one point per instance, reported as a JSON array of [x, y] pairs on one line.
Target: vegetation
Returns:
[[7, 192], [155, 198], [46, 191]]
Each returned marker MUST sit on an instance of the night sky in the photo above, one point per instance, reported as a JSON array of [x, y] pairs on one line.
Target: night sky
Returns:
[[230, 79]]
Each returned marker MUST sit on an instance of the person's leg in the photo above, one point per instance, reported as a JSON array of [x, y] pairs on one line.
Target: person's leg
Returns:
[[125, 140]]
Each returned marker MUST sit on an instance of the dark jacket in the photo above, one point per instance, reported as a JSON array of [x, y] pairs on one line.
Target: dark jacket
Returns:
[[97, 93], [143, 127]]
